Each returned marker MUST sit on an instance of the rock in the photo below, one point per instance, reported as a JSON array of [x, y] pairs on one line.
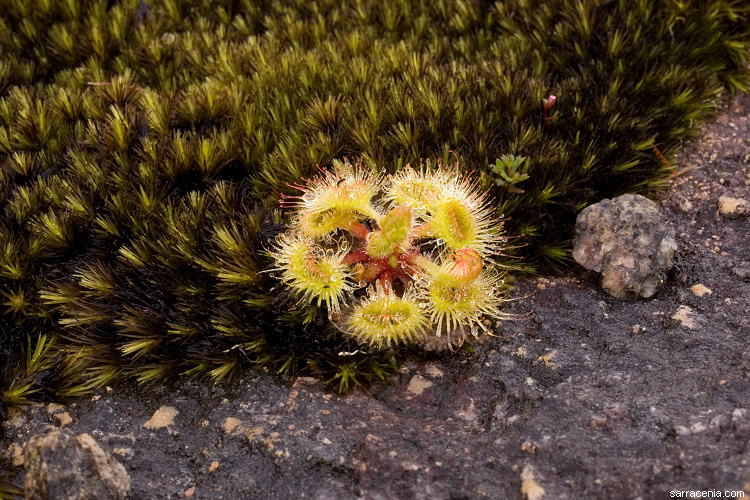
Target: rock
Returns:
[[628, 241], [685, 316], [567, 300], [732, 208], [60, 464], [700, 290], [742, 271], [232, 424], [163, 417], [417, 385], [683, 204], [16, 453], [530, 488]]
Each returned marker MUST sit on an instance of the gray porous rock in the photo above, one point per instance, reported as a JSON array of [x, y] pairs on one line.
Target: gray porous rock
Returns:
[[60, 464], [628, 241]]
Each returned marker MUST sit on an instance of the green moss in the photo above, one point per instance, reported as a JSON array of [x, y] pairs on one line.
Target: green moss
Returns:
[[144, 145]]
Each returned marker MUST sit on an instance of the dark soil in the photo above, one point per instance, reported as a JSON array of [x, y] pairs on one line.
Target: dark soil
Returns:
[[639, 399]]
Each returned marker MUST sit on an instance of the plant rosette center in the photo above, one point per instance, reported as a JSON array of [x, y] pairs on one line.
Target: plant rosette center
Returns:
[[397, 259]]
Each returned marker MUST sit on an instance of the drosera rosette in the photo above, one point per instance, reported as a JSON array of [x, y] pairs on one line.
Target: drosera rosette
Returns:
[[459, 295], [397, 260], [315, 273], [383, 318], [334, 200], [455, 211]]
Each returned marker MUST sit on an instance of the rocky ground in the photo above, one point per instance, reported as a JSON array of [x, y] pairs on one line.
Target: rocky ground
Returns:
[[593, 397]]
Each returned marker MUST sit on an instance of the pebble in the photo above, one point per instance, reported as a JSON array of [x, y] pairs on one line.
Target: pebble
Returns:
[[700, 290], [732, 208], [684, 316], [530, 488], [17, 452], [64, 418], [416, 386], [53, 408], [742, 271], [163, 417], [231, 424]]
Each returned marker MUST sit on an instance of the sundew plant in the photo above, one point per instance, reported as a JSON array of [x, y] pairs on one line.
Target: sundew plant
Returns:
[[397, 259]]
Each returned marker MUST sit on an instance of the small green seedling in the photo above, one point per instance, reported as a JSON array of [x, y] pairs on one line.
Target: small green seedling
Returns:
[[508, 167], [397, 259]]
